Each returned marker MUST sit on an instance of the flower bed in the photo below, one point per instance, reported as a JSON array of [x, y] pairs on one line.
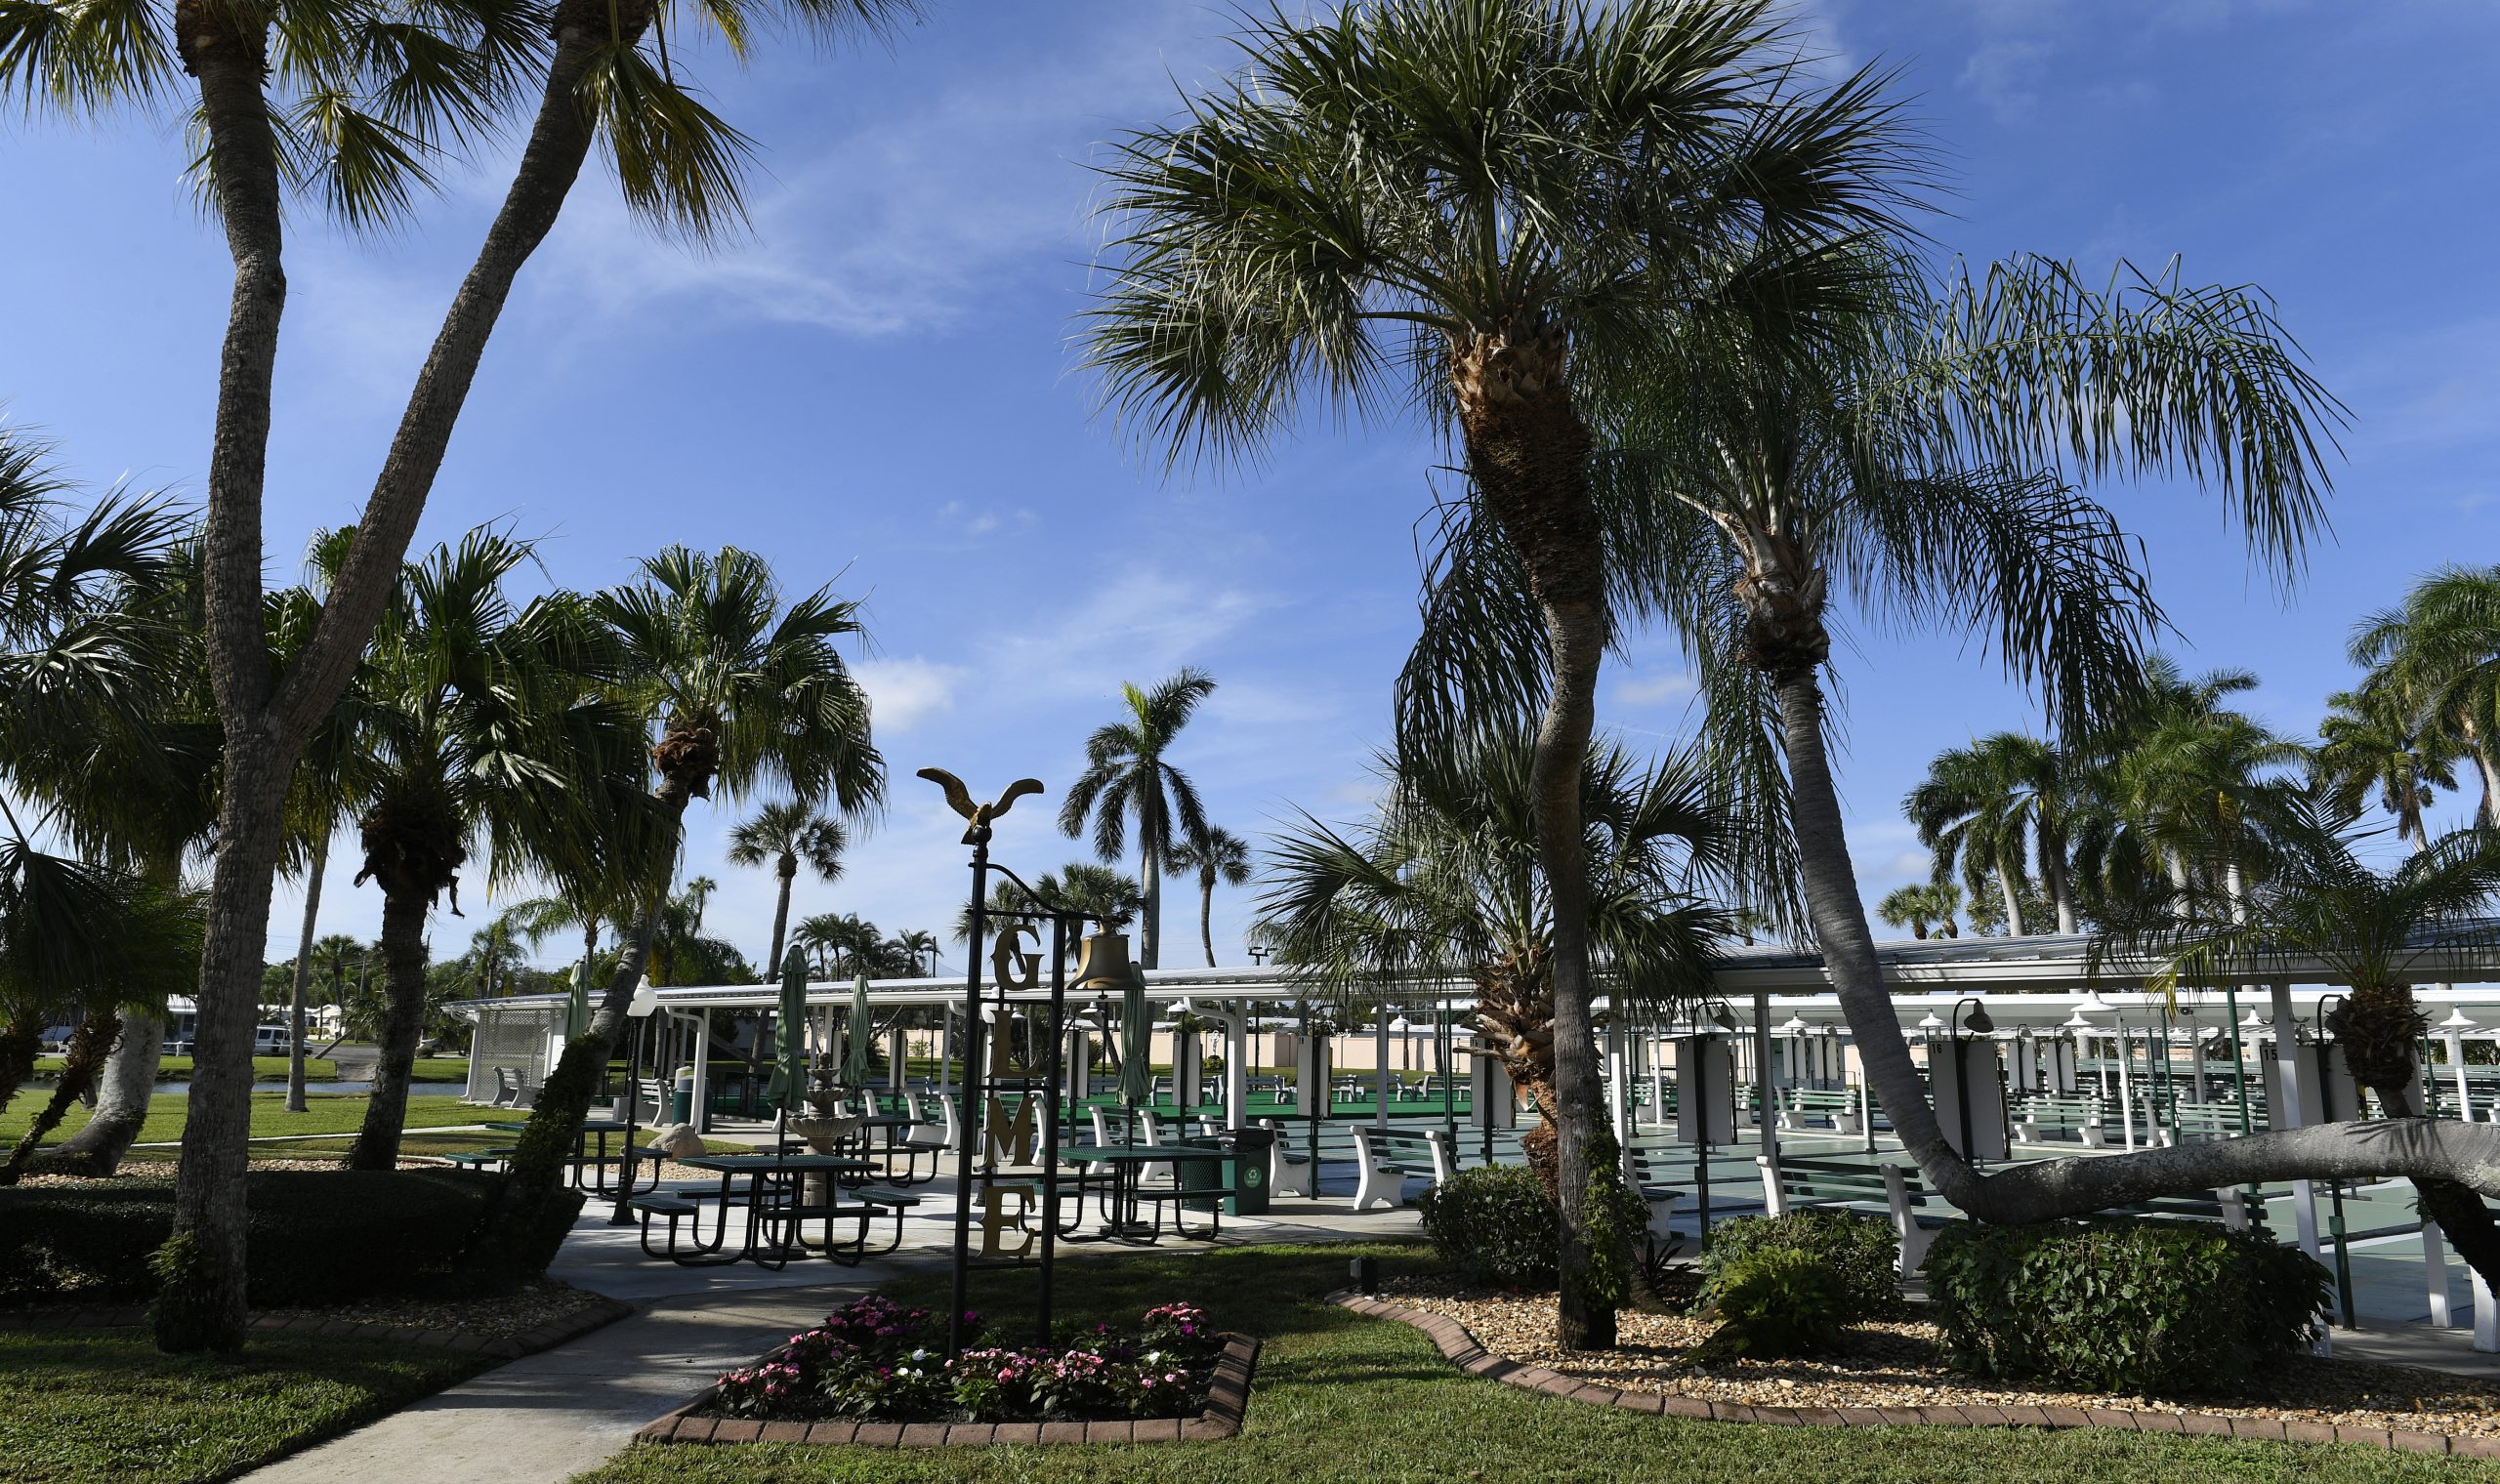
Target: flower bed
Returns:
[[875, 1360]]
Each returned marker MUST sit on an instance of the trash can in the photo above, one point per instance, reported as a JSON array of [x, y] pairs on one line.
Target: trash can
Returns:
[[1244, 1170], [680, 1108]]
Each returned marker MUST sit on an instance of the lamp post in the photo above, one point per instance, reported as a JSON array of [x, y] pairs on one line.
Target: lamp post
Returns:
[[638, 1009], [1980, 1023], [1258, 954]]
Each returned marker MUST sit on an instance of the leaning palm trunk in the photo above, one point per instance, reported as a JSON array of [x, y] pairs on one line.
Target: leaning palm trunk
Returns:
[[304, 978], [1528, 451], [125, 1092], [1206, 915], [89, 1045]]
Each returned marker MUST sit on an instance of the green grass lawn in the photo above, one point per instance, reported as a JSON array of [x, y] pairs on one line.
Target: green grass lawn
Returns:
[[274, 1068], [1367, 1401], [102, 1407], [324, 1113]]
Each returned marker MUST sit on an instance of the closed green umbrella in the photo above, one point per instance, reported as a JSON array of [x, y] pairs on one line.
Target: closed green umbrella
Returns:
[[789, 1084], [577, 1003], [1136, 1049], [855, 1049]]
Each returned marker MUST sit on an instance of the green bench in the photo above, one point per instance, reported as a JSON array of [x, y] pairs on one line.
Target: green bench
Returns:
[[1842, 1109]]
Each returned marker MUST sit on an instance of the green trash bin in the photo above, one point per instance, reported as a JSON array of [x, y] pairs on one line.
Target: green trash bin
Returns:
[[680, 1107], [1244, 1169]]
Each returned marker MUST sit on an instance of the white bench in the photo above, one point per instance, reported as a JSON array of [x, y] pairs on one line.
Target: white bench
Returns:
[[1384, 1158]]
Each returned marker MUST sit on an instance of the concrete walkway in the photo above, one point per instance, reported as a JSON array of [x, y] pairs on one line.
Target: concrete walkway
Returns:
[[544, 1418]]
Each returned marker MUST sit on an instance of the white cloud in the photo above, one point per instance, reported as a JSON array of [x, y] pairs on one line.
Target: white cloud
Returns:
[[2006, 75], [904, 692], [1140, 626], [1651, 690]]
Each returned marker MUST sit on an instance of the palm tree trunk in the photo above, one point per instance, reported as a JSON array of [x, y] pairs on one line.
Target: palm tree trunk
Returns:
[[125, 1093], [1151, 861], [1848, 948], [303, 976], [2379, 1027], [2053, 871], [1528, 451], [403, 1019], [781, 915], [89, 1047], [1206, 915], [2013, 900]]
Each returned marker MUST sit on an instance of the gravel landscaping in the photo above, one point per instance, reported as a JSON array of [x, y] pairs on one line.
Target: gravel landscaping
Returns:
[[1899, 1365]]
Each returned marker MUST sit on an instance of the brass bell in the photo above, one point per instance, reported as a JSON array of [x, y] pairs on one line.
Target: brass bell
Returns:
[[1102, 966]]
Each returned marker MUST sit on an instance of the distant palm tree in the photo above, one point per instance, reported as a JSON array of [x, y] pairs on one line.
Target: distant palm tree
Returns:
[[914, 945], [1126, 775], [1918, 907], [2437, 657], [784, 835], [1221, 855], [2370, 749], [1996, 809]]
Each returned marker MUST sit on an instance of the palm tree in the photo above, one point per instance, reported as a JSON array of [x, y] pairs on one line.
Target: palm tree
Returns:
[[2319, 903], [358, 109], [741, 690], [471, 707], [2436, 659], [915, 944], [336, 959], [1444, 882], [1219, 855], [1126, 774], [782, 835], [1990, 805], [1922, 906], [1915, 463], [1481, 211], [2368, 747], [2207, 791]]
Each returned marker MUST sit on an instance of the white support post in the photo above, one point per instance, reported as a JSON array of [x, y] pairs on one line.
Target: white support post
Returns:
[[2126, 1088], [2296, 1101], [2435, 1275], [2465, 1095], [1380, 1070], [702, 1109], [1236, 1069], [1618, 1082]]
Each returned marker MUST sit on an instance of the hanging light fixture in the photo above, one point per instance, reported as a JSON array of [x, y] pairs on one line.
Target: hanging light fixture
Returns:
[[1794, 1025], [2456, 1020]]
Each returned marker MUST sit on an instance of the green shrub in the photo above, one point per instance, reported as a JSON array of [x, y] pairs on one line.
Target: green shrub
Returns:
[[1858, 1249], [1774, 1301], [315, 1236], [1494, 1225], [2120, 1305]]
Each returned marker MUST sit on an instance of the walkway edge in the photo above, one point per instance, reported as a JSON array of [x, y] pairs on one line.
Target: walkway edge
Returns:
[[1462, 1350], [600, 1313]]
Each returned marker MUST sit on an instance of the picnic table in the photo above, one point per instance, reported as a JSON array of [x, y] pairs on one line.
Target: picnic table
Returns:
[[770, 1199], [1122, 1193]]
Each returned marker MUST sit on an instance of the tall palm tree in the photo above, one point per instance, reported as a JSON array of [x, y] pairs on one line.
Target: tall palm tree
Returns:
[[2208, 791], [1217, 855], [1126, 775], [2370, 750], [470, 704], [1480, 211], [783, 835], [358, 109], [1996, 807], [1916, 465], [740, 690], [1444, 882], [2437, 657]]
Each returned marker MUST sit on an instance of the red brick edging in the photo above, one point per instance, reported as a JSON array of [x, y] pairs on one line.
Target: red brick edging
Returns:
[[1227, 1397], [1460, 1348], [599, 1313]]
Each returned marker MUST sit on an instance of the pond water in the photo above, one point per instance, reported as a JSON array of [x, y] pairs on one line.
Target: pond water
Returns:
[[415, 1090]]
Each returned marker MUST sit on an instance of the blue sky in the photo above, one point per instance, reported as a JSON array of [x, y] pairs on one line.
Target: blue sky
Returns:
[[875, 387]]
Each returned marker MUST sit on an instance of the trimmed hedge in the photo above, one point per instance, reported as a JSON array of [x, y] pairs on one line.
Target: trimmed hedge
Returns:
[[1494, 1225], [1775, 1302], [2120, 1305], [1859, 1251], [316, 1236]]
